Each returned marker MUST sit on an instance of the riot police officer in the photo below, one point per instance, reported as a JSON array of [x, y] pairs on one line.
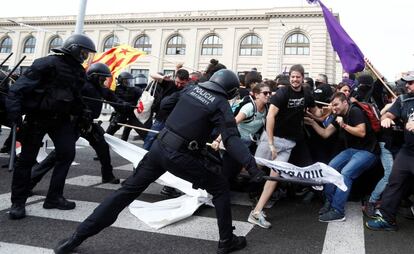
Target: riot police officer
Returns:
[[179, 149], [127, 91], [48, 93], [93, 91]]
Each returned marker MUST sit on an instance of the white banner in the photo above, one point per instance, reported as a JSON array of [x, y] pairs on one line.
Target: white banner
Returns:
[[318, 172]]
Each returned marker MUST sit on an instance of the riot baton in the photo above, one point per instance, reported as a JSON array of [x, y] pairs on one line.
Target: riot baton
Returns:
[[289, 180], [136, 127], [7, 58], [13, 147], [107, 102], [11, 72]]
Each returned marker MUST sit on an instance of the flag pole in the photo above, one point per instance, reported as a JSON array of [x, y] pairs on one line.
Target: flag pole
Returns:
[[379, 77]]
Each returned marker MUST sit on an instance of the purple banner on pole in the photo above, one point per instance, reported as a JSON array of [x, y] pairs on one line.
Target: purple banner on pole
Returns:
[[352, 58]]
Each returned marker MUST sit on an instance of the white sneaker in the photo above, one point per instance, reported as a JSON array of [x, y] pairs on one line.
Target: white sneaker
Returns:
[[259, 219]]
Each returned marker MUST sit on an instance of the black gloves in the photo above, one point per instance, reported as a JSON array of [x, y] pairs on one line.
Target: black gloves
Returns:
[[14, 118]]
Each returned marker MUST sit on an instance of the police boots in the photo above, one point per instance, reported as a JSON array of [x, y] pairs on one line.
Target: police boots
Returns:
[[230, 245], [17, 211], [69, 244]]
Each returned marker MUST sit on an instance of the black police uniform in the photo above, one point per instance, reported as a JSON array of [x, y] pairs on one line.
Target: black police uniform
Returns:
[[91, 131], [48, 93], [130, 95], [178, 149]]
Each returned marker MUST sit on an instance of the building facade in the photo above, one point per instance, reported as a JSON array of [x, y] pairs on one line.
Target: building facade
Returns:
[[270, 40]]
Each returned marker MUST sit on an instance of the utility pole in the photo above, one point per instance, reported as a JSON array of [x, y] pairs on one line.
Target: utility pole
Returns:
[[81, 17]]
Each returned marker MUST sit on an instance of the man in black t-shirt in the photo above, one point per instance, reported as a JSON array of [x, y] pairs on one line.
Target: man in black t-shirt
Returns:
[[284, 126], [403, 168], [359, 155]]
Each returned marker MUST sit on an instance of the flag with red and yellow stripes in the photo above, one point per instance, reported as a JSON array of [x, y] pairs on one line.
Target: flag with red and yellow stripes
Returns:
[[117, 58]]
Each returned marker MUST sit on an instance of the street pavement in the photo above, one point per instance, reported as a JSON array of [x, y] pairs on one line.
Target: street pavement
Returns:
[[295, 225]]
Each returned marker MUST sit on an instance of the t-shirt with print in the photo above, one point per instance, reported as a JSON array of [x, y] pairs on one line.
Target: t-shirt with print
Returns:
[[292, 105], [354, 117], [253, 126], [406, 113]]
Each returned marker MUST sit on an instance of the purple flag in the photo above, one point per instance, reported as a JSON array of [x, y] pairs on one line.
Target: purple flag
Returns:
[[351, 56]]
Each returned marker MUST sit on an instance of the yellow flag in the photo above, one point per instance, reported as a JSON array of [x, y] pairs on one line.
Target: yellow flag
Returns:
[[117, 58]]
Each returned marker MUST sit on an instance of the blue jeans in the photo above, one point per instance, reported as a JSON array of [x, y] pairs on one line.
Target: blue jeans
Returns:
[[351, 163], [151, 136], [386, 161]]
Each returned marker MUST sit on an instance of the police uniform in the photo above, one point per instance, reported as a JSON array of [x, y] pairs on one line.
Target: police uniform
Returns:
[[49, 94], [179, 150], [130, 95]]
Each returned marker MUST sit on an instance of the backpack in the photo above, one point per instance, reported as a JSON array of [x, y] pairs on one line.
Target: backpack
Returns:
[[372, 113], [246, 99]]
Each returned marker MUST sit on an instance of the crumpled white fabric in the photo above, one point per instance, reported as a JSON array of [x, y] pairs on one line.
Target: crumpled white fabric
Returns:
[[318, 172], [162, 213]]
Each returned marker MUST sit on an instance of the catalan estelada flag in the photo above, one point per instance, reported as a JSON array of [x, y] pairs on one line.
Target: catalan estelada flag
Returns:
[[117, 58]]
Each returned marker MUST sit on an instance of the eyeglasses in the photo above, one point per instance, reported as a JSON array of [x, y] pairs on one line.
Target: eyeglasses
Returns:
[[266, 93]]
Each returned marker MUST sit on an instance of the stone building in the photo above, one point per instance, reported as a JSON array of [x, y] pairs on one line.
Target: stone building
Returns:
[[270, 40]]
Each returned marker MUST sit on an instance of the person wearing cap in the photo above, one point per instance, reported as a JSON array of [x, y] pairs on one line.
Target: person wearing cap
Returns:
[[403, 168]]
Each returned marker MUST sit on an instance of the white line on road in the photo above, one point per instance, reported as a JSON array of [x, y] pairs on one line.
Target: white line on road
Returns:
[[346, 237], [12, 248]]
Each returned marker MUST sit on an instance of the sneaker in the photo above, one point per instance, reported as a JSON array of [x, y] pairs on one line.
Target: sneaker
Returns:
[[331, 216], [60, 203], [227, 246], [379, 224], [17, 211], [259, 219], [369, 210], [325, 208]]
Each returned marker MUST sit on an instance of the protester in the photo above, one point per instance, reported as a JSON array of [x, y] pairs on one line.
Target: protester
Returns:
[[48, 93], [284, 127], [359, 155], [179, 150], [403, 168]]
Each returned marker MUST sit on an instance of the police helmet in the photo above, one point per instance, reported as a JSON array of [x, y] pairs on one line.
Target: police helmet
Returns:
[[98, 69], [125, 78], [76, 45], [223, 81]]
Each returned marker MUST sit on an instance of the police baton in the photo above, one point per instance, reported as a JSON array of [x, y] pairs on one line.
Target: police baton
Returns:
[[290, 180], [107, 102], [13, 147], [139, 128], [7, 58], [11, 72]]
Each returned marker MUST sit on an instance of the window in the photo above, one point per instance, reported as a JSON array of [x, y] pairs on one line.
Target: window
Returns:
[[297, 44], [138, 78], [212, 46], [29, 45], [176, 46], [143, 43], [251, 45], [6, 45], [169, 73], [110, 42], [55, 43]]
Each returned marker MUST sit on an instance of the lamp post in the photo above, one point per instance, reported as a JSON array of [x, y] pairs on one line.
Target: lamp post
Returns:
[[81, 17]]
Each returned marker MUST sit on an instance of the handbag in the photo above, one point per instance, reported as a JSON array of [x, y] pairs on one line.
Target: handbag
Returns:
[[143, 109]]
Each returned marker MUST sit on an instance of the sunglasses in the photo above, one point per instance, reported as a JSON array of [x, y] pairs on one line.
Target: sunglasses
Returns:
[[266, 93]]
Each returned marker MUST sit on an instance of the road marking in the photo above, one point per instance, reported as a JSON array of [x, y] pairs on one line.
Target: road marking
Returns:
[[127, 167], [5, 202], [22, 249], [346, 237], [197, 227]]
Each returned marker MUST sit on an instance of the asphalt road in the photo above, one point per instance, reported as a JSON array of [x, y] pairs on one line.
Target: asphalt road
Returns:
[[295, 225]]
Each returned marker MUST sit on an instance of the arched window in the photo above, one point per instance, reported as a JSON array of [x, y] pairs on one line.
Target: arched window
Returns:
[[6, 45], [29, 45], [143, 43], [176, 46], [251, 45], [55, 43], [212, 45], [110, 42], [297, 44]]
